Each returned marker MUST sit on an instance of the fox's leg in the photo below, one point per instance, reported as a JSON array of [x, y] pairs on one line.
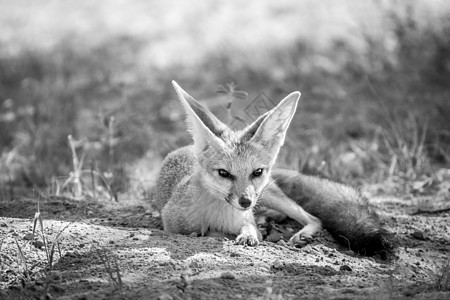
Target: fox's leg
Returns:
[[248, 235], [275, 198]]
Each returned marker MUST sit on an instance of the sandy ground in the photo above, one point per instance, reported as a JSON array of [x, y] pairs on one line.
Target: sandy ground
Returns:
[[114, 250]]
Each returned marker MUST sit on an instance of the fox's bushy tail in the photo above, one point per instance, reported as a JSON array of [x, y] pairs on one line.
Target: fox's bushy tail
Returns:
[[344, 212]]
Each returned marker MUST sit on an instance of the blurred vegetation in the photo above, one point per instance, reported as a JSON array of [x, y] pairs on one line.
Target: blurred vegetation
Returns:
[[367, 114]]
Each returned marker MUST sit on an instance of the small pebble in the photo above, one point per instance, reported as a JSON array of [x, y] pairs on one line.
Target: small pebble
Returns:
[[301, 243], [274, 237], [264, 267], [28, 236], [70, 254], [349, 252], [277, 264], [57, 289], [307, 249], [282, 243], [194, 265], [345, 268], [419, 235], [227, 275], [165, 297], [38, 244], [56, 276]]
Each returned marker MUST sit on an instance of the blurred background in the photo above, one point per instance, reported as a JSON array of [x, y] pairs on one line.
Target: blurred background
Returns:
[[374, 77]]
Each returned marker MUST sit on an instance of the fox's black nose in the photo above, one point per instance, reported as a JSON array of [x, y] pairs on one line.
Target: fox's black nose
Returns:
[[244, 202]]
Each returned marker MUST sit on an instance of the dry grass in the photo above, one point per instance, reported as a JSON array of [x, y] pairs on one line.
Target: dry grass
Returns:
[[113, 92], [443, 279], [111, 265]]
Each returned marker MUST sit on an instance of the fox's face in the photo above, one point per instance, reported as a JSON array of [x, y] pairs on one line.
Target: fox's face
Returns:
[[237, 173], [235, 165]]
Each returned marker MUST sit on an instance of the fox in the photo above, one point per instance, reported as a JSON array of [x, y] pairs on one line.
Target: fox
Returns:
[[227, 179]]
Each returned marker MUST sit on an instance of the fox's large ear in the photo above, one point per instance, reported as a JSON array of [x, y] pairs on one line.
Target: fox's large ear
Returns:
[[250, 130], [204, 127], [269, 130]]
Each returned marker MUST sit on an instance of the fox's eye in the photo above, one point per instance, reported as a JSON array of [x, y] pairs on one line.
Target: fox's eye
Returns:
[[223, 173], [257, 172]]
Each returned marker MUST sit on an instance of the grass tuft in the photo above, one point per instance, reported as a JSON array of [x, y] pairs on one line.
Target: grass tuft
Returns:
[[111, 265], [443, 280]]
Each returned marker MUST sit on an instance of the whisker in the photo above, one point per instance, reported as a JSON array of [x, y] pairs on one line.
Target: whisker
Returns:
[[266, 188], [221, 193], [217, 191], [212, 189], [197, 191]]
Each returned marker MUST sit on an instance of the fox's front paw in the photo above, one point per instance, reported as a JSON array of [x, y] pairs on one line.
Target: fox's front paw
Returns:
[[304, 236], [247, 239]]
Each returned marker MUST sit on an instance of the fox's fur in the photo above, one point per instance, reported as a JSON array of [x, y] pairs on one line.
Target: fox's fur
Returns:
[[214, 184]]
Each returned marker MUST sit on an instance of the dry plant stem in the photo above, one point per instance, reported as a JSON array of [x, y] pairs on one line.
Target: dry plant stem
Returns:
[[404, 140], [38, 218], [443, 280], [55, 187], [111, 141], [2, 191], [232, 94], [74, 181], [75, 177], [112, 268], [93, 181], [23, 261], [49, 252], [50, 255], [11, 187], [1, 259], [103, 180]]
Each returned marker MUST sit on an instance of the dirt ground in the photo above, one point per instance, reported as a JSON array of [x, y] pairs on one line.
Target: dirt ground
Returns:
[[114, 250]]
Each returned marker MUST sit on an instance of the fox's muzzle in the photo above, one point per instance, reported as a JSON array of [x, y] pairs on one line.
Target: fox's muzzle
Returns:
[[244, 202]]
